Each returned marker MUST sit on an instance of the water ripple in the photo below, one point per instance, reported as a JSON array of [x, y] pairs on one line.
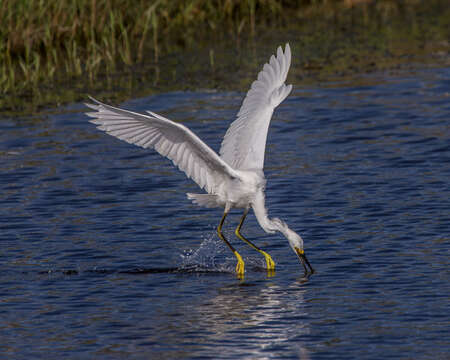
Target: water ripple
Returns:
[[103, 257]]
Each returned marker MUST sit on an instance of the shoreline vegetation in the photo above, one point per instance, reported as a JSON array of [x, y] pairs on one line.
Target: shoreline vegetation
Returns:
[[57, 51]]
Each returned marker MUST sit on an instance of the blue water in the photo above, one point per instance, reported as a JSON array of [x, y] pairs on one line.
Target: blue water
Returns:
[[103, 257]]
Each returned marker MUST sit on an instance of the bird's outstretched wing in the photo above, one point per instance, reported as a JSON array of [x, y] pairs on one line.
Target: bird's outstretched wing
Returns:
[[174, 141], [244, 143]]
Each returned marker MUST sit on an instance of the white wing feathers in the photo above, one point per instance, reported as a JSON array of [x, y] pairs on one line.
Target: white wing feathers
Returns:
[[244, 144], [174, 141]]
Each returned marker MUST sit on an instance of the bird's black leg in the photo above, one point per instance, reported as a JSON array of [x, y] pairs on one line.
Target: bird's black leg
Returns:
[[270, 263], [240, 267]]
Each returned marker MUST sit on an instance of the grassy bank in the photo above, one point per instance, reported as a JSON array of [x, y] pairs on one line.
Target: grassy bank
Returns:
[[44, 39], [87, 42]]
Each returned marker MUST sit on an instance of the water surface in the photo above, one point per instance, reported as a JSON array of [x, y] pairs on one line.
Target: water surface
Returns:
[[102, 256]]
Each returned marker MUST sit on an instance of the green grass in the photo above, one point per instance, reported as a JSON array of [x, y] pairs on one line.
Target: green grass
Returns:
[[47, 44], [41, 40]]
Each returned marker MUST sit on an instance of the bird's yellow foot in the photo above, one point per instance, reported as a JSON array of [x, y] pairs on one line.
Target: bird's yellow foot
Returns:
[[240, 266], [270, 263]]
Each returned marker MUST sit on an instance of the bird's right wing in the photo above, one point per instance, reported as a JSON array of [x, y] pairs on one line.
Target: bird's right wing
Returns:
[[244, 144], [172, 140]]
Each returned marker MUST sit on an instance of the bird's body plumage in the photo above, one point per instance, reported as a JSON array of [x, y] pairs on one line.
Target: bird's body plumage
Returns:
[[235, 179]]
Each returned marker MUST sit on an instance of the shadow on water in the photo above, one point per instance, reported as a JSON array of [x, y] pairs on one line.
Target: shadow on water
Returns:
[[139, 271], [191, 269]]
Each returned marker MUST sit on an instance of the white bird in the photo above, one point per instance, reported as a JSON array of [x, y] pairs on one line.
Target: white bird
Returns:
[[235, 179]]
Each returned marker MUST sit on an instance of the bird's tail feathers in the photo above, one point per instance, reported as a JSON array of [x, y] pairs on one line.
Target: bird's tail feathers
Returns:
[[206, 200]]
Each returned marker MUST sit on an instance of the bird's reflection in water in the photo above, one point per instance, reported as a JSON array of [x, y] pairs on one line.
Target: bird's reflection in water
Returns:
[[266, 317]]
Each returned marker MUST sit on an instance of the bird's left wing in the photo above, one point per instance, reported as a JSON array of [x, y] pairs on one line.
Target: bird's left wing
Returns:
[[244, 144], [174, 141]]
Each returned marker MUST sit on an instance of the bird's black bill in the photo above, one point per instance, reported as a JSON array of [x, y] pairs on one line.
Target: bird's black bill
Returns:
[[304, 261]]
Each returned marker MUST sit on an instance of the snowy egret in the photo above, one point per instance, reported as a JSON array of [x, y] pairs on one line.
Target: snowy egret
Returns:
[[235, 179]]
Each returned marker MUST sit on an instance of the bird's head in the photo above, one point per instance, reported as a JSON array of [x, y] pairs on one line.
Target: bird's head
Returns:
[[296, 243]]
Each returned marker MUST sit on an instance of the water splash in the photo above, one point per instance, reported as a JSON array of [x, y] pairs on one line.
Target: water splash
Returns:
[[205, 256]]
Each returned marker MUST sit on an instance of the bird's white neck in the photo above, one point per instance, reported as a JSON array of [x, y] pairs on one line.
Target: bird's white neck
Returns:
[[275, 224], [268, 225]]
